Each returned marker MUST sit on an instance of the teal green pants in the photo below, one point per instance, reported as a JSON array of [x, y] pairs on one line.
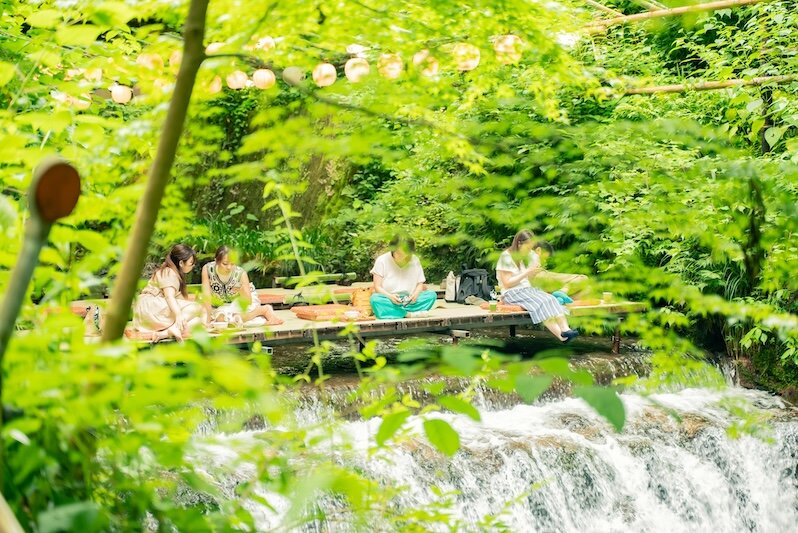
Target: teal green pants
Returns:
[[384, 308]]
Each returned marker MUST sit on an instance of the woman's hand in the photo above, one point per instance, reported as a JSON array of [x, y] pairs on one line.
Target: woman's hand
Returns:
[[534, 270], [395, 299]]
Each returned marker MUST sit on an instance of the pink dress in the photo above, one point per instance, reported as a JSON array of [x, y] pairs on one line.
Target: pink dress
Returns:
[[152, 313]]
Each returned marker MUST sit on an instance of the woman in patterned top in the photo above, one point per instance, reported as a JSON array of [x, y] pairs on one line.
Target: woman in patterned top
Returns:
[[228, 294]]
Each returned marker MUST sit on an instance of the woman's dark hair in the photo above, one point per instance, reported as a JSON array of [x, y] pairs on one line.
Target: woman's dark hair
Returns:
[[221, 252], [179, 252], [520, 239], [404, 242], [544, 245]]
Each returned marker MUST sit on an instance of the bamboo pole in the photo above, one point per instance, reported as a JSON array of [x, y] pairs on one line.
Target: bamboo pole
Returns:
[[8, 521], [133, 261], [651, 6], [712, 85], [599, 26], [604, 8]]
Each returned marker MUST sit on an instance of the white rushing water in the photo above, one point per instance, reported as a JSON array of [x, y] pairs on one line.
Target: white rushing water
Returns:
[[559, 467]]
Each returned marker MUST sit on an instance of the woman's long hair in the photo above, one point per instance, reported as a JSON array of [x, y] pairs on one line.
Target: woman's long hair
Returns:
[[179, 252], [221, 252], [520, 239]]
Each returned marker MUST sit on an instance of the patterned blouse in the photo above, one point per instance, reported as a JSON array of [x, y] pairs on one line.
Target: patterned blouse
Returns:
[[226, 291]]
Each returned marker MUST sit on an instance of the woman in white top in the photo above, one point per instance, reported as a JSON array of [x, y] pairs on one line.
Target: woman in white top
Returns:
[[399, 283], [517, 265]]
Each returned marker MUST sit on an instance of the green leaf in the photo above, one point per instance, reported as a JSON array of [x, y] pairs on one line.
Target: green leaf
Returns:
[[442, 436], [773, 135], [85, 517], [7, 72], [79, 35], [459, 405], [756, 125], [461, 359], [45, 18], [606, 403], [390, 425], [531, 387]]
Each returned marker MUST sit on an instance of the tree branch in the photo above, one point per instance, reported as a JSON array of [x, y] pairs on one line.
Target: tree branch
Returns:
[[600, 26], [712, 85], [133, 261]]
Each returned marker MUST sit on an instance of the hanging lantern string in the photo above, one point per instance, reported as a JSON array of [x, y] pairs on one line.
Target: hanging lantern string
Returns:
[[501, 146]]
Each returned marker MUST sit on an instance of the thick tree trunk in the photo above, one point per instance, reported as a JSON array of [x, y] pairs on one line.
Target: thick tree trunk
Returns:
[[133, 261]]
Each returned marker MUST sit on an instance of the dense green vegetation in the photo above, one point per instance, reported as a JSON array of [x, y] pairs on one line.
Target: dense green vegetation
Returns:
[[688, 201]]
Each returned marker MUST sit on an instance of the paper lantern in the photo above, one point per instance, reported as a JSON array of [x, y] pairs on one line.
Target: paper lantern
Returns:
[[237, 79], [425, 63], [81, 103], [150, 61], [213, 48], [324, 74], [174, 61], [356, 50], [508, 49], [121, 94], [293, 75], [466, 56], [215, 86], [265, 44], [390, 66], [356, 69], [263, 78], [93, 74]]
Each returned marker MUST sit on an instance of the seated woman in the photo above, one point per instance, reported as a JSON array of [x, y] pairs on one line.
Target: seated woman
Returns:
[[228, 294], [163, 307], [399, 283], [514, 274]]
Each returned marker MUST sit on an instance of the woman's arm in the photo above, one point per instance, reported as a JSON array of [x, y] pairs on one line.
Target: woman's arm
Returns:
[[379, 289], [246, 290], [508, 280], [417, 291], [207, 296], [169, 293]]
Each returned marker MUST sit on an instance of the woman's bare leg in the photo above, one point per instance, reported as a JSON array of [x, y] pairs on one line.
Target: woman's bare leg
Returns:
[[552, 326], [562, 322], [267, 312]]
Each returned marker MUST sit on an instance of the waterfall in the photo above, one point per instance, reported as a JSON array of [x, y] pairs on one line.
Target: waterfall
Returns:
[[558, 466]]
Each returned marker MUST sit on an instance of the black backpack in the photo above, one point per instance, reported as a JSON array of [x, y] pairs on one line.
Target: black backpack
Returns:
[[473, 282]]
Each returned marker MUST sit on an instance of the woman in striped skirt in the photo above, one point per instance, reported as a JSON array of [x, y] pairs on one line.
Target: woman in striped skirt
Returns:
[[517, 264]]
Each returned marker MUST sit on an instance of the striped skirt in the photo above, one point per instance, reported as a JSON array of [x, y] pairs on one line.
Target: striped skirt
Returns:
[[541, 305]]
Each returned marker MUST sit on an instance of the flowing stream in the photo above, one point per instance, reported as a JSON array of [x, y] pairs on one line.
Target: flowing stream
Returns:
[[558, 466]]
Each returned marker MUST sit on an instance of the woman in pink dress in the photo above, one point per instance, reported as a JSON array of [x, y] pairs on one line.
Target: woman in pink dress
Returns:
[[163, 307]]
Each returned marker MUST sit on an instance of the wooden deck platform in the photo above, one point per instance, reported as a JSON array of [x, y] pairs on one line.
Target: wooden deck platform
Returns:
[[279, 298], [443, 319]]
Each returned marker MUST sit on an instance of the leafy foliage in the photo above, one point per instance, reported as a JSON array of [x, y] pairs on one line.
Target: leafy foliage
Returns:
[[687, 201]]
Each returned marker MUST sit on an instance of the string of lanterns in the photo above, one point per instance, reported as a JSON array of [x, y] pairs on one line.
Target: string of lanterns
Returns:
[[389, 65], [466, 57]]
